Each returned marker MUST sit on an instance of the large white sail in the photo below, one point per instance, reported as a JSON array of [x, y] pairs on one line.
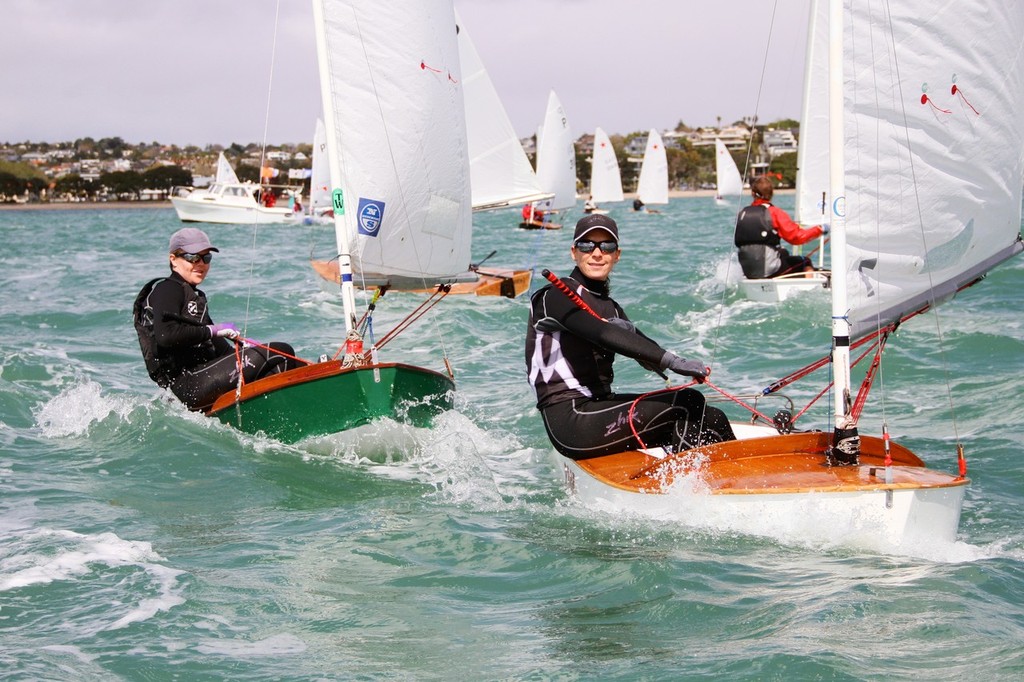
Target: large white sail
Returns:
[[556, 156], [392, 92], [933, 139], [605, 179], [812, 159], [727, 175], [320, 177], [652, 188], [500, 172], [225, 173]]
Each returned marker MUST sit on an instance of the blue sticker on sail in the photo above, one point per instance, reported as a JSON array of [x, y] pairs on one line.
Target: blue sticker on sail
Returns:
[[371, 214]]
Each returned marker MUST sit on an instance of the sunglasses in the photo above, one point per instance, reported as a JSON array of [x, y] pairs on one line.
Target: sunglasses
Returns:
[[195, 257], [586, 246]]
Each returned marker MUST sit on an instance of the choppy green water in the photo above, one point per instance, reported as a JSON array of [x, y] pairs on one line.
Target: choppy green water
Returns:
[[138, 541]]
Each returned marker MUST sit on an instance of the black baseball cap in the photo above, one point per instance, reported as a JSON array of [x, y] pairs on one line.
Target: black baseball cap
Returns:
[[595, 221]]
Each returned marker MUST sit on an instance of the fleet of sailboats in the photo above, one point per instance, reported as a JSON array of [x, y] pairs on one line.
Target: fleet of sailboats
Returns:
[[924, 197]]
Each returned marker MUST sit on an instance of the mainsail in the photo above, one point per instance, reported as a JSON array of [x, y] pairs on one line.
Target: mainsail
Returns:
[[605, 179], [556, 157], [652, 187], [727, 175], [933, 140], [500, 172], [320, 178], [396, 132], [225, 173]]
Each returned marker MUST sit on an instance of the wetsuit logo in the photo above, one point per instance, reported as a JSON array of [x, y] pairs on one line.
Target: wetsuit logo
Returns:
[[193, 308], [371, 215]]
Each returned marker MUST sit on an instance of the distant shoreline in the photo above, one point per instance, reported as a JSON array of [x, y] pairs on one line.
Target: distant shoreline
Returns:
[[68, 206]]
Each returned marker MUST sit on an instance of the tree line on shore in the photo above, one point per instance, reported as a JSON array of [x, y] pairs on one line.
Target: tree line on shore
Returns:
[[690, 167]]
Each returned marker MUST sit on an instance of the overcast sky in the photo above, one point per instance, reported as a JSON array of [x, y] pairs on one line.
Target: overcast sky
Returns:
[[203, 71]]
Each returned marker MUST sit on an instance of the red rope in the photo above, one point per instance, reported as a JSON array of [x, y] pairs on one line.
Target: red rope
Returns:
[[957, 91], [573, 296], [925, 99]]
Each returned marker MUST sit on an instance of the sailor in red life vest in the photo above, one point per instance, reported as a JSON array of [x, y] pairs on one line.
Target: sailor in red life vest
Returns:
[[569, 356], [531, 214], [760, 229]]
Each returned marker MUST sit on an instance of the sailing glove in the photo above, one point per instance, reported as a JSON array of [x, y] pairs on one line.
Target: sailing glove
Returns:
[[224, 330], [621, 323], [825, 229], [689, 368]]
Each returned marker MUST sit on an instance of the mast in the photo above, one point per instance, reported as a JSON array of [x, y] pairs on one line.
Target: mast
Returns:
[[846, 442], [348, 299]]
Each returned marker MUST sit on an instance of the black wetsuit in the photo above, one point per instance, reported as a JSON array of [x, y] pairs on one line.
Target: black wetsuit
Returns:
[[569, 356], [195, 365]]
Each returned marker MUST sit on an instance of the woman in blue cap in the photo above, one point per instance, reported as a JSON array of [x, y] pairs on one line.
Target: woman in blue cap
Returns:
[[184, 350]]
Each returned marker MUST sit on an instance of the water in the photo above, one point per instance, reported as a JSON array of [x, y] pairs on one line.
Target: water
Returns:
[[139, 541]]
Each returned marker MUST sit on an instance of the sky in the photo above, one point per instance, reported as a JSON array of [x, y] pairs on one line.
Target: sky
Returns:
[[222, 71]]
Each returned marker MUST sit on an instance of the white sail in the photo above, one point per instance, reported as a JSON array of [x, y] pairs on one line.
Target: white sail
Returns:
[[652, 188], [556, 157], [727, 175], [320, 178], [812, 159], [500, 171], [605, 179], [933, 151], [392, 92], [225, 173]]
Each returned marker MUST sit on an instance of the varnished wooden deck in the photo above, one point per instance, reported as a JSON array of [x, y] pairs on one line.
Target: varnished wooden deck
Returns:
[[793, 463]]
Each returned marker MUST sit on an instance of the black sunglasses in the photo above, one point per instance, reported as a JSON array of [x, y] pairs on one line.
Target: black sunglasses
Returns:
[[586, 246], [195, 257]]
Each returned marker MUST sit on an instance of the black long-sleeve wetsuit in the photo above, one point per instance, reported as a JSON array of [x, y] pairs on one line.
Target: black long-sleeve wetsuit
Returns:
[[194, 364], [569, 356]]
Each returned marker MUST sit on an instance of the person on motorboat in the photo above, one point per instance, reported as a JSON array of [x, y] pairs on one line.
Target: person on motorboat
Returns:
[[184, 350], [569, 357], [760, 229], [589, 206]]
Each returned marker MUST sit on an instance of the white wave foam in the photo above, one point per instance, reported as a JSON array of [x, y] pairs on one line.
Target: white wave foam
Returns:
[[43, 556], [71, 412]]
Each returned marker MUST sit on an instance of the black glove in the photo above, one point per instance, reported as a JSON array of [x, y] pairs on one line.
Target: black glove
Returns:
[[622, 324], [689, 368]]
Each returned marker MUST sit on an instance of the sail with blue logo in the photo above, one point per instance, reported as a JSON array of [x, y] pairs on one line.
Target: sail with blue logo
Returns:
[[396, 129]]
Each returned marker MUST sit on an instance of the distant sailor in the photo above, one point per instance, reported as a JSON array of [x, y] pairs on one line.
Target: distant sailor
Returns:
[[569, 356], [183, 349], [760, 229]]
